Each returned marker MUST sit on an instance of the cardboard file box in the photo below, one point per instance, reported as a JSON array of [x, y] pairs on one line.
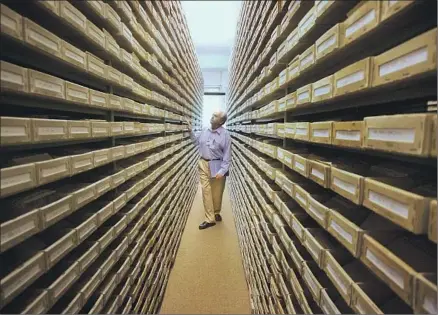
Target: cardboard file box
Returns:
[[96, 66], [41, 38], [348, 134], [425, 301], [70, 15], [432, 231], [95, 34], [407, 134], [347, 181], [321, 132], [391, 8], [49, 129], [323, 89], [329, 42], [412, 58], [13, 78], [319, 171], [307, 58], [354, 77], [361, 19], [11, 23], [293, 69], [307, 22], [46, 85], [304, 95], [15, 130], [73, 55], [18, 229], [302, 131], [77, 93], [78, 129]]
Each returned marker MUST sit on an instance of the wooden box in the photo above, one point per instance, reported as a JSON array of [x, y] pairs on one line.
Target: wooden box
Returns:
[[112, 17], [318, 211], [412, 58], [293, 69], [301, 197], [18, 229], [319, 172], [302, 131], [361, 302], [98, 99], [73, 55], [322, 90], [96, 66], [15, 130], [339, 277], [11, 23], [13, 78], [300, 165], [79, 129], [329, 42], [112, 46], [95, 34], [17, 178], [45, 130], [102, 157], [46, 85], [41, 38], [347, 184], [77, 93], [81, 163], [348, 133], [304, 95], [55, 211], [361, 19], [391, 8], [408, 134], [432, 231], [60, 248], [307, 22], [321, 132], [115, 102], [345, 231], [425, 301], [307, 58], [354, 77], [70, 15], [57, 289], [100, 129]]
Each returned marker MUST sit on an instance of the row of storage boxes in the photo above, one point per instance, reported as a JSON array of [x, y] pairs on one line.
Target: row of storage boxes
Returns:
[[412, 134], [383, 247], [41, 39], [17, 280], [47, 169], [18, 130], [413, 58], [366, 16], [30, 82]]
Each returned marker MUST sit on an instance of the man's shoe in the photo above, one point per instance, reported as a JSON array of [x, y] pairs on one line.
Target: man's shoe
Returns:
[[218, 217], [206, 225]]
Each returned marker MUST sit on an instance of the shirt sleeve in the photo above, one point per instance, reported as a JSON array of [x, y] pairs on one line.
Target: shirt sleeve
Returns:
[[225, 165], [195, 137]]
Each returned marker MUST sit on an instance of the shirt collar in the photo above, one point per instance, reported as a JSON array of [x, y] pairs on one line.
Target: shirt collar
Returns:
[[218, 130]]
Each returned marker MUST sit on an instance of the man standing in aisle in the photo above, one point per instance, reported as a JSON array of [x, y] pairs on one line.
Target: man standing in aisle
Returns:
[[214, 145]]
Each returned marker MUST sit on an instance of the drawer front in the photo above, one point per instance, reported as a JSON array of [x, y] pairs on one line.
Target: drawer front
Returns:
[[60, 248], [81, 163], [73, 55], [347, 184], [98, 99], [361, 302], [75, 305], [319, 173], [348, 134], [85, 229], [41, 38], [328, 42], [17, 178], [46, 85], [353, 78], [73, 16], [77, 93], [17, 230], [89, 257], [79, 129], [52, 170], [49, 130], [363, 19], [64, 282], [302, 131], [95, 34], [432, 232], [346, 232], [391, 7], [425, 301], [338, 276], [304, 95], [322, 90], [318, 211], [11, 23], [103, 186], [57, 210], [89, 288], [102, 157], [84, 196], [13, 77], [15, 130]]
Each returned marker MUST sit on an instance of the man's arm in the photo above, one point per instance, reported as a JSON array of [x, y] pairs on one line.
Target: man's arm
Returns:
[[193, 136], [226, 160]]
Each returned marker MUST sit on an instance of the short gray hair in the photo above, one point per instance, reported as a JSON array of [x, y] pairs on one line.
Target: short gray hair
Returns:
[[224, 117]]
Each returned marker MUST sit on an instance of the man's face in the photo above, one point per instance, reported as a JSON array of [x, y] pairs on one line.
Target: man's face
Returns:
[[216, 119]]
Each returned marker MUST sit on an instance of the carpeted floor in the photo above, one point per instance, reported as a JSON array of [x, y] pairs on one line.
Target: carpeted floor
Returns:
[[208, 275]]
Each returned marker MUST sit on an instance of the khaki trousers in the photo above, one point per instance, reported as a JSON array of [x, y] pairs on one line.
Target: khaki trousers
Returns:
[[212, 191]]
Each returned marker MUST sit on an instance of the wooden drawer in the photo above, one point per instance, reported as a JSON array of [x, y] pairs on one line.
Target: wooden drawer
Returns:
[[98, 99], [339, 277], [100, 129], [402, 207], [307, 22], [353, 78], [70, 15], [433, 151], [307, 58], [127, 82], [347, 184], [17, 178], [304, 95], [432, 231], [106, 239], [302, 131], [116, 129], [84, 196], [64, 282], [103, 186], [318, 211], [39, 304], [361, 19], [52, 170], [91, 285], [289, 130], [77, 93], [95, 34], [13, 77], [361, 303], [348, 134], [73, 55], [19, 279], [41, 38], [57, 210], [293, 69], [297, 228], [79, 129], [329, 42], [15, 130], [105, 212], [45, 130], [322, 90], [112, 17], [311, 281], [414, 57], [18, 229], [89, 256], [300, 165], [11, 23], [345, 231], [96, 66], [98, 305], [60, 248], [111, 45], [118, 179], [114, 76], [46, 85], [115, 102], [102, 157], [391, 7], [118, 152], [321, 132], [408, 134], [425, 301]]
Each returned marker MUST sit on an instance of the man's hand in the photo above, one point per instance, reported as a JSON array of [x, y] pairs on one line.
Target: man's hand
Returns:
[[219, 176]]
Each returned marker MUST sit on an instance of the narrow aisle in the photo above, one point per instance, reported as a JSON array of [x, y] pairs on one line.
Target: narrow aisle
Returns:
[[208, 275]]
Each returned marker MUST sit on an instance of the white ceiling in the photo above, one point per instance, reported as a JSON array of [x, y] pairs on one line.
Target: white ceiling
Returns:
[[212, 25]]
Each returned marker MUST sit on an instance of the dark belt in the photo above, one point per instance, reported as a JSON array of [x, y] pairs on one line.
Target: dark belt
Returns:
[[210, 160]]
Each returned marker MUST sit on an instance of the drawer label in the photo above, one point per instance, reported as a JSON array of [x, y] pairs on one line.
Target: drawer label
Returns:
[[11, 181], [338, 280], [301, 131], [326, 44], [430, 305], [388, 271], [403, 135], [317, 173], [43, 40], [77, 57], [360, 23], [46, 172], [345, 186], [19, 230], [347, 135], [46, 85], [293, 71], [303, 96], [408, 60], [351, 78], [389, 204], [306, 61], [7, 76], [290, 131], [53, 214], [47, 131], [344, 234], [321, 133], [307, 23], [299, 166], [79, 130]]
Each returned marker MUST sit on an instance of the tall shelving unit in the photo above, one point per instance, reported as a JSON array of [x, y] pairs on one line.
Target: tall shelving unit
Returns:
[[98, 173], [332, 109]]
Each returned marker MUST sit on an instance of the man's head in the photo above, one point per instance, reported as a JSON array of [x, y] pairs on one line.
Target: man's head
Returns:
[[218, 119]]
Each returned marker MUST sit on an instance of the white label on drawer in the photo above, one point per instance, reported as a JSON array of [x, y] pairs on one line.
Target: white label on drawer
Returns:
[[350, 188], [78, 94], [303, 96], [413, 58], [98, 99], [85, 197], [404, 135], [79, 130], [281, 106], [288, 159], [306, 61], [351, 78], [280, 154], [326, 44], [53, 170], [391, 205], [294, 71], [11, 181], [347, 135], [24, 276], [72, 55], [307, 23], [321, 133], [430, 304], [363, 21], [45, 85], [317, 173], [100, 130], [388, 271], [345, 235], [43, 40], [337, 279], [45, 131], [7, 76], [290, 131], [319, 215], [301, 131], [299, 166], [50, 215], [19, 230], [325, 89]]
